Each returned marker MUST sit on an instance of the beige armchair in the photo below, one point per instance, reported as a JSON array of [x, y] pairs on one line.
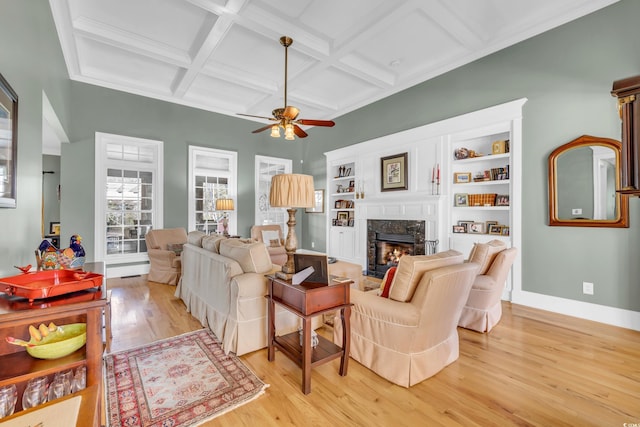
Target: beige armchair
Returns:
[[164, 247], [483, 308], [271, 235], [411, 335]]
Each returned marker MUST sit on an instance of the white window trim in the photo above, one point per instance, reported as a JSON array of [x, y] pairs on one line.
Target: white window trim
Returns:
[[232, 185], [101, 161]]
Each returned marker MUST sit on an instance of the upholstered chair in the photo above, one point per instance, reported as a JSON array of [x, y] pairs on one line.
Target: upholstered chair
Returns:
[[483, 308], [164, 247], [411, 335], [271, 235]]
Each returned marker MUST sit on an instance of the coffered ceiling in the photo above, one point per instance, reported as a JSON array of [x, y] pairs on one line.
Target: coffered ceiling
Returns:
[[224, 55]]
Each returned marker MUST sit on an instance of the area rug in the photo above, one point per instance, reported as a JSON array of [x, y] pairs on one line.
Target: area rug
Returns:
[[178, 382]]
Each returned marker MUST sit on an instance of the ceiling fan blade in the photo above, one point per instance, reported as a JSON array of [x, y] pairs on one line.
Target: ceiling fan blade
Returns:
[[262, 129], [290, 112], [260, 117], [311, 122], [299, 132]]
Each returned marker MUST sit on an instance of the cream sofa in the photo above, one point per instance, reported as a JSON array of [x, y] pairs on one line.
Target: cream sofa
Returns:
[[411, 335], [223, 285]]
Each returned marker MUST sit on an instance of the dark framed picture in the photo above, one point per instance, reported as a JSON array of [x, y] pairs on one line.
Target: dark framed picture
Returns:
[[494, 229], [54, 228], [352, 185], [461, 199], [343, 215], [459, 229], [462, 177], [9, 145], [318, 202], [466, 225], [502, 200], [394, 172]]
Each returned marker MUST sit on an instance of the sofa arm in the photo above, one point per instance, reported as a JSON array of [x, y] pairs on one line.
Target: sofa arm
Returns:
[[384, 310]]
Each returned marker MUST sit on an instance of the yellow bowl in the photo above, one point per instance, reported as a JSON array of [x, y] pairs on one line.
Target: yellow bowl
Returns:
[[59, 343]]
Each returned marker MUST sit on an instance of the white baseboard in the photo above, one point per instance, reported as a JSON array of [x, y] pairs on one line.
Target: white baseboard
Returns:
[[584, 310], [126, 270]]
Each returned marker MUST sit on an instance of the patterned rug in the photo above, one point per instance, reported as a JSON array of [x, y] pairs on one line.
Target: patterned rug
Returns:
[[181, 381]]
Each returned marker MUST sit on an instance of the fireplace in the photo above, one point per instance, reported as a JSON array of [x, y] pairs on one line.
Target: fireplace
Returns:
[[389, 240]]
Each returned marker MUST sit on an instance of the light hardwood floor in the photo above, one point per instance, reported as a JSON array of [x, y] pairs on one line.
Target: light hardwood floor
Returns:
[[535, 368]]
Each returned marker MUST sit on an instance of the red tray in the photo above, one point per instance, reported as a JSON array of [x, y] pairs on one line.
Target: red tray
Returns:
[[49, 283]]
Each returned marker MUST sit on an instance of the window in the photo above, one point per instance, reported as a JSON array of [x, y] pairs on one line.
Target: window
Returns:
[[267, 167], [128, 196], [212, 175]]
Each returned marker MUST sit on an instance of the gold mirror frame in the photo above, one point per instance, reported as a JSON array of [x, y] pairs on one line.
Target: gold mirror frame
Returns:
[[622, 202]]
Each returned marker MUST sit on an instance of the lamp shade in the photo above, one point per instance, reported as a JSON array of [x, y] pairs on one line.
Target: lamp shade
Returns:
[[290, 190], [224, 204]]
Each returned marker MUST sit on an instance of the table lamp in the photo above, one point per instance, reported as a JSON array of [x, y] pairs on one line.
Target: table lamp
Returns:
[[224, 205], [291, 191]]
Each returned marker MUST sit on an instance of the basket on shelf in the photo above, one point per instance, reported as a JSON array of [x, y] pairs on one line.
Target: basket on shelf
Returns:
[[485, 199]]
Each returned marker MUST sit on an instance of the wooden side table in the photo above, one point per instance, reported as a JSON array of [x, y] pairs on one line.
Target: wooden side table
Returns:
[[306, 301]]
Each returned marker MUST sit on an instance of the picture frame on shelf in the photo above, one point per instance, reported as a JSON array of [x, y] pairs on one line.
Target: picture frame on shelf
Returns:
[[502, 200], [342, 216], [318, 202], [351, 222], [461, 177], [459, 229], [352, 185], [466, 224], [461, 199], [394, 172], [504, 231], [9, 147], [54, 228], [494, 229], [488, 224], [476, 228]]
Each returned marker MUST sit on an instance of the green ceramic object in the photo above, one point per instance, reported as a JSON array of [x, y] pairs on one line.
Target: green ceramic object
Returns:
[[59, 343]]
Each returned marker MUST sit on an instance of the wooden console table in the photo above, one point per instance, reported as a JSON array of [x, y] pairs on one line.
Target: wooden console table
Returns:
[[306, 301], [87, 306]]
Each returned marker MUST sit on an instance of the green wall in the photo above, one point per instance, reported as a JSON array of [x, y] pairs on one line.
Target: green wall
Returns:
[[566, 74], [31, 61]]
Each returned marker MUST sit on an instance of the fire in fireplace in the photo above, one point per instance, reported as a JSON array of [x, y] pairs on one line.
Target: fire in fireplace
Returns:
[[389, 240]]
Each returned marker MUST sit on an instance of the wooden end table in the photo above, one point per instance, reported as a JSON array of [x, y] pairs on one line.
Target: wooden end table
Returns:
[[306, 301]]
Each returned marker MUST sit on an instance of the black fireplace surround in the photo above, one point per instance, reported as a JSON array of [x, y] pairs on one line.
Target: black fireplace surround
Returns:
[[388, 240]]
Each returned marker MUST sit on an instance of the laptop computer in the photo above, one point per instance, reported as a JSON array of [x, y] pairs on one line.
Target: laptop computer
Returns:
[[319, 264]]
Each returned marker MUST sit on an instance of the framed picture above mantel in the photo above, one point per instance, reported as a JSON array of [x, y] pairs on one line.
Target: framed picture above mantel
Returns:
[[394, 172], [8, 144]]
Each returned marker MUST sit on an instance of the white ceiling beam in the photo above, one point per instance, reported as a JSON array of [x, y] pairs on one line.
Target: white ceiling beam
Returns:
[[126, 40]]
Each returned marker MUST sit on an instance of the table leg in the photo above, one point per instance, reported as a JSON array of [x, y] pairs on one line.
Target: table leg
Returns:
[[345, 315], [306, 355], [271, 315]]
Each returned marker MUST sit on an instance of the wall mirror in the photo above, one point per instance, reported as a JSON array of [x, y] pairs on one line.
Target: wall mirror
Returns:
[[584, 175]]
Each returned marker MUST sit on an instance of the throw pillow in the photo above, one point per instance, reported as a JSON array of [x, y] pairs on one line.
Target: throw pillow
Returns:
[[388, 280], [269, 235], [274, 243], [483, 254], [175, 247]]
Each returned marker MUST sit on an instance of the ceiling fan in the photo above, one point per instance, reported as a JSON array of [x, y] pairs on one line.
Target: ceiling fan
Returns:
[[286, 117]]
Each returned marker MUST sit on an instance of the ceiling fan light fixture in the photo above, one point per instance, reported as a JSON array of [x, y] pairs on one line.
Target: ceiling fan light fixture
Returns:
[[287, 116], [288, 132]]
